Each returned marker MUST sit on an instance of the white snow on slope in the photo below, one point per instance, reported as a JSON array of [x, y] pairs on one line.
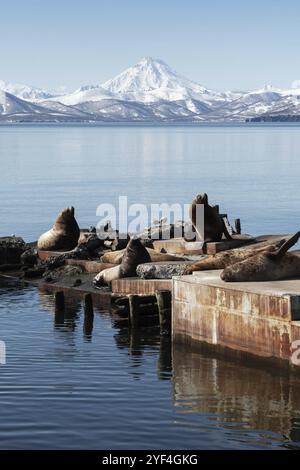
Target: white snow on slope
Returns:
[[25, 92], [148, 81]]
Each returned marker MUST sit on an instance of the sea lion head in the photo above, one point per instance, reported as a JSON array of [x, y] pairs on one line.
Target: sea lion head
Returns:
[[231, 275], [66, 217], [201, 199]]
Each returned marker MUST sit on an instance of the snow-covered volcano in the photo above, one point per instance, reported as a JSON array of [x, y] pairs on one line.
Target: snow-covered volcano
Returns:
[[153, 80], [148, 91], [148, 81]]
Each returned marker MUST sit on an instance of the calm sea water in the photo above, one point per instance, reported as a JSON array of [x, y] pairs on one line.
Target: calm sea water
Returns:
[[251, 171], [68, 386]]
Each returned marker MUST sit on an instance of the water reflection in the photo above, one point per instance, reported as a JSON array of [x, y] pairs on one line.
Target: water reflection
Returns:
[[239, 397], [169, 395], [88, 325], [138, 341]]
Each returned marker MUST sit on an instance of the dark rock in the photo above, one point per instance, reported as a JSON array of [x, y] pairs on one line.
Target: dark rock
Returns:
[[165, 231], [29, 257], [162, 270], [9, 267], [89, 242], [11, 249], [63, 273], [33, 273]]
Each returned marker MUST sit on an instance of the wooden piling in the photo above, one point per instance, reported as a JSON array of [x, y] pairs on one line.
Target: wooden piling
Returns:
[[59, 316], [134, 310], [88, 321], [59, 300], [238, 227], [164, 309], [88, 305]]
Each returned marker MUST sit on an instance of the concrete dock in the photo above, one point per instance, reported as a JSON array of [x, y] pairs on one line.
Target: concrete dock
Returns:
[[261, 319], [257, 318]]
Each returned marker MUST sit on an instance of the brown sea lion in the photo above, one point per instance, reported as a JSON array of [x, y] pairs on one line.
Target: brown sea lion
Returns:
[[64, 234], [214, 226], [115, 257], [269, 265], [134, 254], [227, 258]]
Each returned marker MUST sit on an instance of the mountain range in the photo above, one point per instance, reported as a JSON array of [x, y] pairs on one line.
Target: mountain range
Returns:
[[150, 91]]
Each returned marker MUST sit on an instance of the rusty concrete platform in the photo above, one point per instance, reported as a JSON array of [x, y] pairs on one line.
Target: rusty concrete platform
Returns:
[[135, 285], [260, 318]]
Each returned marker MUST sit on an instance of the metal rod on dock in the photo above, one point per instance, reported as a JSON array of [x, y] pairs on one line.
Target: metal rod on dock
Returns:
[[164, 310]]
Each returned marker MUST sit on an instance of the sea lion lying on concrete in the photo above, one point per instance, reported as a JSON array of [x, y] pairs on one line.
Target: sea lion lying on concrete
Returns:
[[115, 257], [134, 254], [214, 226], [227, 258], [269, 265], [64, 234]]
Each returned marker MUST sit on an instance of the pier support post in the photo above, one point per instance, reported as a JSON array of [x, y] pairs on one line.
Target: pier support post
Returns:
[[164, 309], [134, 303], [88, 321], [59, 300], [59, 317], [238, 227], [88, 305]]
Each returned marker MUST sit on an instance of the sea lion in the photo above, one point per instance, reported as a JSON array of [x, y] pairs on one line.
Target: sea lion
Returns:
[[269, 265], [134, 254], [64, 234], [227, 258], [214, 226], [115, 257]]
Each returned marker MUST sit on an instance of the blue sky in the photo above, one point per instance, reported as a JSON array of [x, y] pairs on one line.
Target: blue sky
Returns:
[[224, 44]]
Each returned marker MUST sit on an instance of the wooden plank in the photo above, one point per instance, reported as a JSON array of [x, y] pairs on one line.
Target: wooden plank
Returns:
[[180, 246], [223, 245]]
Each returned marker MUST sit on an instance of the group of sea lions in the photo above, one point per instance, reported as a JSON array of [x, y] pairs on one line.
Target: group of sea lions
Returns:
[[267, 263], [262, 263]]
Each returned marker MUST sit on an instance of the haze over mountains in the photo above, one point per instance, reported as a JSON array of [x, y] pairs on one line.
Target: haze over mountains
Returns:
[[150, 91]]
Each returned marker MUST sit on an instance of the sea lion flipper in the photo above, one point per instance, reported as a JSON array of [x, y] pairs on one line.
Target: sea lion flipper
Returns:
[[285, 246]]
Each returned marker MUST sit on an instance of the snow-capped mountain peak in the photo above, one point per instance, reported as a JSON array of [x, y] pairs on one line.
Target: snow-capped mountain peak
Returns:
[[155, 78]]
